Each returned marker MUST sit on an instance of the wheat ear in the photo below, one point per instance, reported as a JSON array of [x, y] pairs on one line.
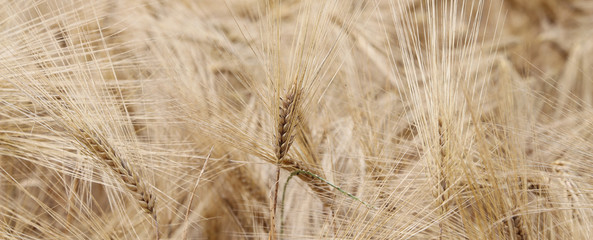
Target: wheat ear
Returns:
[[441, 193], [562, 169], [284, 139], [103, 151], [520, 234], [288, 119]]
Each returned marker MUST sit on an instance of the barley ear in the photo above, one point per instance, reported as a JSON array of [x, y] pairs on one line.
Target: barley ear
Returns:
[[103, 151], [284, 138]]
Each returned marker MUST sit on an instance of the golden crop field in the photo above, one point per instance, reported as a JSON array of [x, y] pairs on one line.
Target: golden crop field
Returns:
[[296, 119]]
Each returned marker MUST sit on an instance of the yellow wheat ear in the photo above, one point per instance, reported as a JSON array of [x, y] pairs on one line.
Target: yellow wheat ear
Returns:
[[98, 147]]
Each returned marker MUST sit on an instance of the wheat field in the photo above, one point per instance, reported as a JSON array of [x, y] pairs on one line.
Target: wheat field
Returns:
[[296, 119]]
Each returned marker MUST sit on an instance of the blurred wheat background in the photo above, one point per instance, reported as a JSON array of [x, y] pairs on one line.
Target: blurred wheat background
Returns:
[[296, 119]]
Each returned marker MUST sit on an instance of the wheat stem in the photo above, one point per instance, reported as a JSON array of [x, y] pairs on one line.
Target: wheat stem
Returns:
[[272, 235]]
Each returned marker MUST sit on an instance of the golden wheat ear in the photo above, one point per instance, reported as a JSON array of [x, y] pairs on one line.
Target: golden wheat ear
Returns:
[[102, 151], [95, 145]]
